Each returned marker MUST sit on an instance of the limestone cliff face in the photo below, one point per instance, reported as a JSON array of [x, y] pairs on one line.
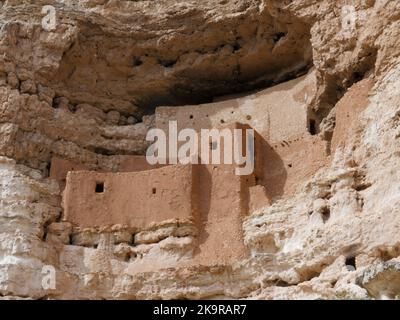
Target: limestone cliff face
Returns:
[[86, 92]]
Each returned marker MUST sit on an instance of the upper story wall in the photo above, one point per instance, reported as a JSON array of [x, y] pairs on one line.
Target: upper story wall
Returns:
[[348, 109], [125, 163], [60, 167], [135, 199], [277, 113]]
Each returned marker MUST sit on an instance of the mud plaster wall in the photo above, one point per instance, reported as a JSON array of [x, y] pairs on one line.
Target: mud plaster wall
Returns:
[[348, 109], [290, 163], [136, 163], [278, 113], [218, 199], [213, 197], [287, 152], [59, 167], [136, 199], [222, 202]]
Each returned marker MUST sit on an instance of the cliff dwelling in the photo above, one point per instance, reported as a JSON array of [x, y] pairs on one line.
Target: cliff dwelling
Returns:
[[83, 84], [209, 198]]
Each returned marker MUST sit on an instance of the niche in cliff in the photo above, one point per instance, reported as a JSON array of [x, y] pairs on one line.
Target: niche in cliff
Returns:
[[120, 70]]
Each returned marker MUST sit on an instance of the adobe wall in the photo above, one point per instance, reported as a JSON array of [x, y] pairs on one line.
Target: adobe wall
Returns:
[[221, 197], [211, 196], [278, 113], [128, 163], [135, 164], [348, 109], [60, 167], [287, 153], [288, 164], [135, 199]]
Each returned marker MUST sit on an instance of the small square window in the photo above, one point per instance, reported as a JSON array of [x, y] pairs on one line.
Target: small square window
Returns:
[[99, 187]]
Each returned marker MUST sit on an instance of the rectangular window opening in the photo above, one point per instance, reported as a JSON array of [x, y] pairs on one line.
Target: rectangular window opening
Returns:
[[99, 187]]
